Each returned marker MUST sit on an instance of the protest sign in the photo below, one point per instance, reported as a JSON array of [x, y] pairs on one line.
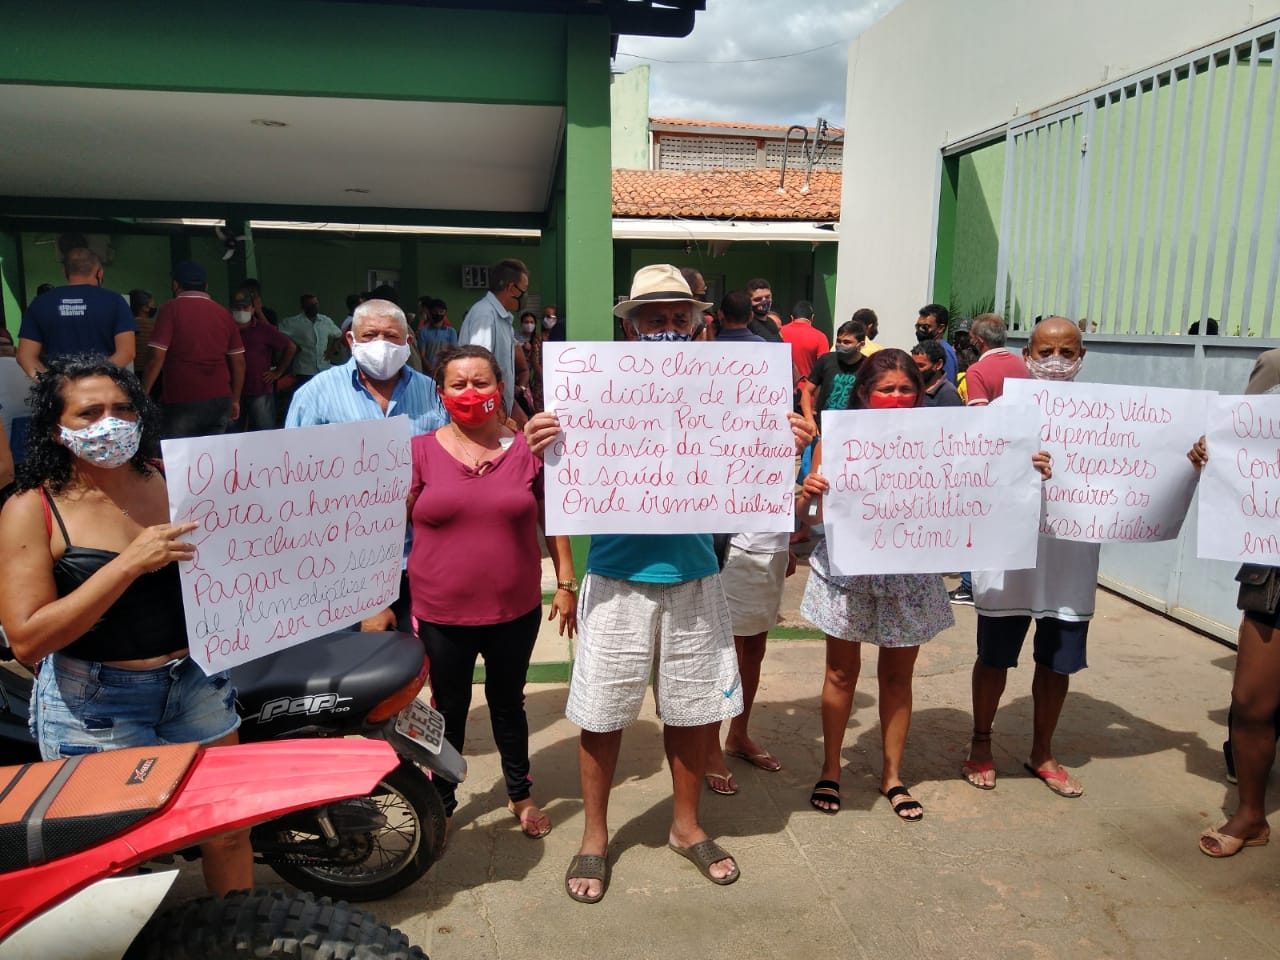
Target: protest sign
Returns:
[[930, 490], [1120, 468], [301, 533], [1240, 489], [669, 438]]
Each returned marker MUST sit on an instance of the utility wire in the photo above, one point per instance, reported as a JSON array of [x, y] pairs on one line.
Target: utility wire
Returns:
[[780, 56]]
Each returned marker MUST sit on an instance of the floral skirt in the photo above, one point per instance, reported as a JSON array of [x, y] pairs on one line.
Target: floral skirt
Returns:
[[887, 610]]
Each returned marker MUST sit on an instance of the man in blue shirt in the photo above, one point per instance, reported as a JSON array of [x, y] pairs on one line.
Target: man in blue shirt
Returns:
[[932, 325], [488, 324], [374, 383], [81, 317]]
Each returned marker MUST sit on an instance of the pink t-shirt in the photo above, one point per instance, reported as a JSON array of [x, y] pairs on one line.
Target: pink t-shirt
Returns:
[[986, 375], [475, 557]]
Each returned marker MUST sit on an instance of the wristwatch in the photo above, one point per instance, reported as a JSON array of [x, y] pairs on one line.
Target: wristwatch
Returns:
[[570, 585]]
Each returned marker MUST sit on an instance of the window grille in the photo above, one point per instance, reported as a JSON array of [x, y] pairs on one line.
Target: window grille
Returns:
[[706, 153], [1149, 204], [831, 157]]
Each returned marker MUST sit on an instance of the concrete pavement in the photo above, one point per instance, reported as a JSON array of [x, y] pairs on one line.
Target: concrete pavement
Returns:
[[1012, 873]]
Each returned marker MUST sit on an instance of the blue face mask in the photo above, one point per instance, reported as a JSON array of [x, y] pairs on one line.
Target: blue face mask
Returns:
[[665, 336]]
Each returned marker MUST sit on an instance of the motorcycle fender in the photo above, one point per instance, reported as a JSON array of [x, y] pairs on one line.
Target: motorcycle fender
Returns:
[[448, 763], [98, 923]]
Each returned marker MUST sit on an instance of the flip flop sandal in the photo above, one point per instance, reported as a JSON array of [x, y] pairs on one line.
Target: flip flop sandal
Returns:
[[722, 784], [702, 855], [968, 767], [1229, 846], [826, 791], [533, 826], [1059, 781], [905, 806], [588, 866], [764, 761]]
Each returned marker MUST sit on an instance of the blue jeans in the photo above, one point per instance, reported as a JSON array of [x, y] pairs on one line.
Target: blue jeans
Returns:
[[196, 418], [257, 413], [80, 706]]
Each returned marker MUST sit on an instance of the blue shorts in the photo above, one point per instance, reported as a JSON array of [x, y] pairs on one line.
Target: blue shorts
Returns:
[[79, 706], [1059, 644]]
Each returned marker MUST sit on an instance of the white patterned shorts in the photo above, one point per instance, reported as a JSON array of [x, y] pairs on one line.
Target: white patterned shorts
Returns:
[[753, 584], [887, 610], [677, 633]]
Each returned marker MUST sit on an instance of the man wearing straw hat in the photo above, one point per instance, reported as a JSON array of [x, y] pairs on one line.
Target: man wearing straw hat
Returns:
[[651, 603]]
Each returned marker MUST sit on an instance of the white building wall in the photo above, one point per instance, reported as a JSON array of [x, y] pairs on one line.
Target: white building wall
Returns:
[[934, 72]]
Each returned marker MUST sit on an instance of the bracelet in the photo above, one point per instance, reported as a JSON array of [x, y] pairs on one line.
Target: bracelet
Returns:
[[569, 586]]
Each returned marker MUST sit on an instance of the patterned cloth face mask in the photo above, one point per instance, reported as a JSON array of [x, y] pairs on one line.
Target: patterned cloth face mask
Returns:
[[1054, 368], [111, 442], [665, 336]]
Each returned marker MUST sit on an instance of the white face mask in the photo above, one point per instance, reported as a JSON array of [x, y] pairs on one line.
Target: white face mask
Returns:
[[549, 322], [380, 359], [242, 317], [111, 442], [527, 328]]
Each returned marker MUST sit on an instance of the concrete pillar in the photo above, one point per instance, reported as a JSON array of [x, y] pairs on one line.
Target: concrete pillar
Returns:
[[587, 240]]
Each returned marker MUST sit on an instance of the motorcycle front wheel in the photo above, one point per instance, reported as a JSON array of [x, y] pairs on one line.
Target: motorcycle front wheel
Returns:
[[258, 923], [367, 863]]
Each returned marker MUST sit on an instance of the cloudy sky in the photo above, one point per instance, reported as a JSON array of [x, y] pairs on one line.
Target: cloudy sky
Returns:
[[763, 61]]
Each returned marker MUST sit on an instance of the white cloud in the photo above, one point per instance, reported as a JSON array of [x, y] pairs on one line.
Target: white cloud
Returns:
[[780, 89]]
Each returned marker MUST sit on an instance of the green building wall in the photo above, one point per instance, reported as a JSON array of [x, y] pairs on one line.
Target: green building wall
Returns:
[[1136, 233]]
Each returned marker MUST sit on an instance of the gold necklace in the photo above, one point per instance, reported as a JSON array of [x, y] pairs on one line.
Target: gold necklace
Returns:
[[475, 463]]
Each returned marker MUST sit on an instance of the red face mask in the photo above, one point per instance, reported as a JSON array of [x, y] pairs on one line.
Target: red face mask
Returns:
[[890, 401], [471, 407]]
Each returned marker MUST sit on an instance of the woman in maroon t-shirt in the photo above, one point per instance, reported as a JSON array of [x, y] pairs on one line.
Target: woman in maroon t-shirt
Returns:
[[475, 569]]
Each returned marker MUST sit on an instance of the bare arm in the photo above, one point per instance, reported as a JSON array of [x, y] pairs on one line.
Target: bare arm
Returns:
[[126, 345], [235, 361], [286, 358], [39, 622], [154, 367], [565, 602], [808, 396], [29, 357]]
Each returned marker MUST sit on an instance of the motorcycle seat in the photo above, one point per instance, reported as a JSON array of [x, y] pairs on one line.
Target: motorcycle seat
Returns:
[[356, 670], [51, 809]]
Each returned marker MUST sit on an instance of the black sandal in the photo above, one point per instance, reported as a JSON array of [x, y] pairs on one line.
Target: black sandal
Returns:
[[905, 807], [826, 791]]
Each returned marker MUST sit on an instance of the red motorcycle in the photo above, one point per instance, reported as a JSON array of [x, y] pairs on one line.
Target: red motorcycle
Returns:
[[72, 831]]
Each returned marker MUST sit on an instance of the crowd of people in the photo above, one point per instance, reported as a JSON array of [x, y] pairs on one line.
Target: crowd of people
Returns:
[[89, 586]]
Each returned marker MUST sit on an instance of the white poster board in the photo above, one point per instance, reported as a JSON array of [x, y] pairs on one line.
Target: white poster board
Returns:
[[301, 533], [1239, 516], [669, 438], [1120, 467], [930, 490]]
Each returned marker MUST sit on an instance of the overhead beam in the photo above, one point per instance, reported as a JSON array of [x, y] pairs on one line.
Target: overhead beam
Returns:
[[91, 209], [286, 47]]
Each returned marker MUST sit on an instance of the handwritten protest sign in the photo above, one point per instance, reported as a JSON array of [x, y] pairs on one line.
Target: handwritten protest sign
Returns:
[[1120, 468], [669, 438], [1240, 489], [930, 490], [301, 533]]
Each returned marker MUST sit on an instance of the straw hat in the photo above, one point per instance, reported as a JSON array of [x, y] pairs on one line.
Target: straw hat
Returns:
[[658, 283]]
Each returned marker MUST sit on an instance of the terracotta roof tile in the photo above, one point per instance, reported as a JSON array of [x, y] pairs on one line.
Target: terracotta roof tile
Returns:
[[730, 125], [724, 194]]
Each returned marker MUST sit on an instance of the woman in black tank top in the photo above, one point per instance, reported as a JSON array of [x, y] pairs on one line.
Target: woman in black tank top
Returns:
[[89, 586]]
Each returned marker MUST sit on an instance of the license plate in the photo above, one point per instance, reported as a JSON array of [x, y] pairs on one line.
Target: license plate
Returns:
[[422, 724]]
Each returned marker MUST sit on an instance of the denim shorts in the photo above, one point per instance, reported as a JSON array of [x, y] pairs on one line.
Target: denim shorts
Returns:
[[1060, 645], [79, 706]]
